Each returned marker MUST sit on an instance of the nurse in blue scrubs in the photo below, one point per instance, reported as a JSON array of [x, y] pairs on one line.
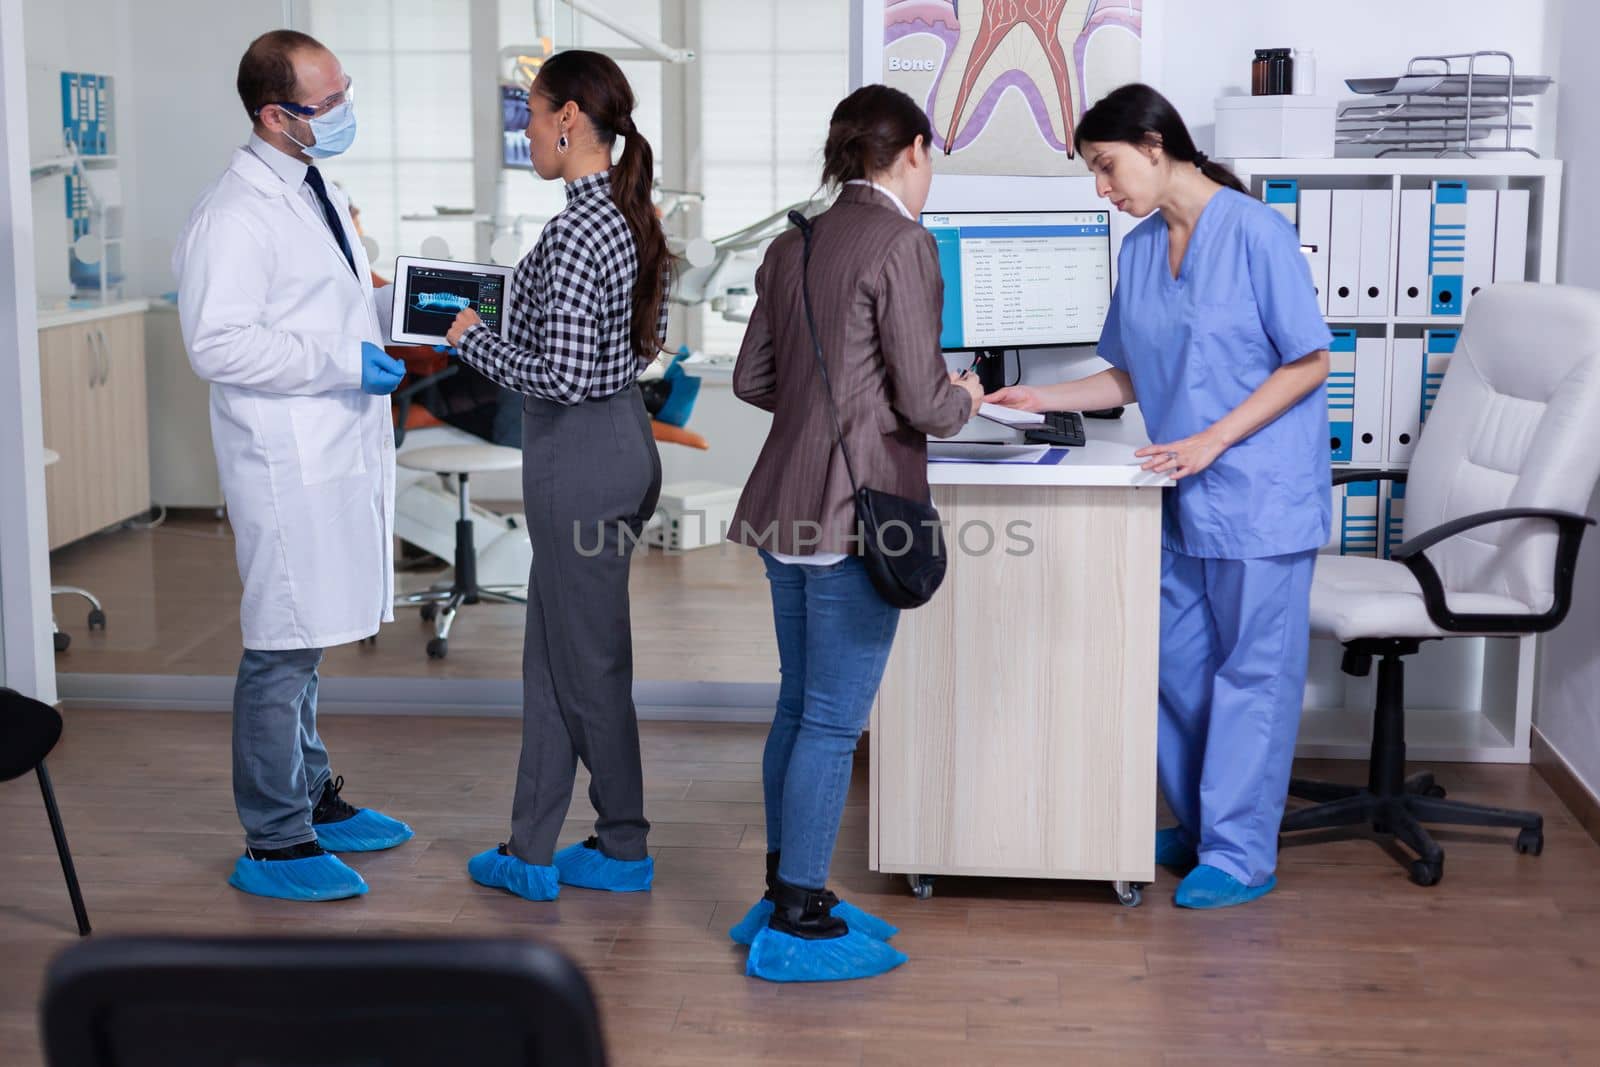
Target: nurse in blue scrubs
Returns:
[[1214, 330]]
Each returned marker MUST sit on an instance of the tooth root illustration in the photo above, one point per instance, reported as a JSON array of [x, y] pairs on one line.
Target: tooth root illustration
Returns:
[[442, 302], [999, 21]]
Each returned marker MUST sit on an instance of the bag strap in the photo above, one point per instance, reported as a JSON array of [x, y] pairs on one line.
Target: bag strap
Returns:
[[805, 227]]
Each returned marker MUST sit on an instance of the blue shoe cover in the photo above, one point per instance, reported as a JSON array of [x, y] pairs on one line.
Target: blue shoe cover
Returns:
[[322, 877], [365, 831], [1208, 887], [499, 870], [859, 921], [589, 868], [1173, 851], [780, 957]]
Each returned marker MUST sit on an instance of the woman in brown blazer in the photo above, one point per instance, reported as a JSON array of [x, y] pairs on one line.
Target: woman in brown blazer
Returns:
[[877, 295]]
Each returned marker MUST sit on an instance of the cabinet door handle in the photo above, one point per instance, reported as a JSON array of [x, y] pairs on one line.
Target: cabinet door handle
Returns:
[[105, 357], [94, 359]]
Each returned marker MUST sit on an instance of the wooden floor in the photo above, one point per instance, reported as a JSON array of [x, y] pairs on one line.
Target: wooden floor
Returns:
[[172, 600], [1346, 962]]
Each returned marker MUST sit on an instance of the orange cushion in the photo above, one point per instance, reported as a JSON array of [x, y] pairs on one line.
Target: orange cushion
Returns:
[[677, 435]]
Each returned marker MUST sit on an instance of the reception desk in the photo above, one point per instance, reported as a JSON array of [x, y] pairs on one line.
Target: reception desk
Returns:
[[1014, 733]]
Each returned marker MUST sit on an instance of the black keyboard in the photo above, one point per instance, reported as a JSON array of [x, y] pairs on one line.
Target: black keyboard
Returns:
[[1060, 428]]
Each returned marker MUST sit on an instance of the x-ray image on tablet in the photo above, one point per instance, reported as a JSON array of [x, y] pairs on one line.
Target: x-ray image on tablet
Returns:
[[429, 293]]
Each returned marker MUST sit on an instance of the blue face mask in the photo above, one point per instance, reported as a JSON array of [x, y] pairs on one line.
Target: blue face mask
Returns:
[[334, 132]]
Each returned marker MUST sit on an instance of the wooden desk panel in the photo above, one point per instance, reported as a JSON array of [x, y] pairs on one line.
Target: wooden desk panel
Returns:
[[1015, 730]]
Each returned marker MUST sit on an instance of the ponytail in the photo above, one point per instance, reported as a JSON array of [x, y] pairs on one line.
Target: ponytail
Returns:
[[597, 85], [1136, 114], [631, 183]]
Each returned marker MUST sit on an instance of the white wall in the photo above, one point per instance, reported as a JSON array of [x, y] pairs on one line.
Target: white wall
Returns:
[[1567, 711], [1207, 47], [184, 119]]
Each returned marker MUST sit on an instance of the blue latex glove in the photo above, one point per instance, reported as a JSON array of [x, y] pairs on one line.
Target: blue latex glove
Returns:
[[453, 353], [380, 372]]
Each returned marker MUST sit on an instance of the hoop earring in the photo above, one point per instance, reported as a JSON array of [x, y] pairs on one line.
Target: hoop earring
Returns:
[[561, 145]]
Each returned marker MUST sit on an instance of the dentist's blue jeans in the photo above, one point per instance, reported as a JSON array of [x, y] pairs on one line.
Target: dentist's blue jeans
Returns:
[[279, 762], [834, 636]]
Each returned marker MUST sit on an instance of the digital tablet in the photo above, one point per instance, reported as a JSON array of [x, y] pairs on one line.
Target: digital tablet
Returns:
[[428, 293]]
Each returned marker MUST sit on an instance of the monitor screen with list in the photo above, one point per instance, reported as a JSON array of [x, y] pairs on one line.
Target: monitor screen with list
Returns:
[[1021, 279]]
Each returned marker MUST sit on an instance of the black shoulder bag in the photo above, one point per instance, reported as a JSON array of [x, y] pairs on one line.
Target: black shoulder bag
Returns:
[[902, 541]]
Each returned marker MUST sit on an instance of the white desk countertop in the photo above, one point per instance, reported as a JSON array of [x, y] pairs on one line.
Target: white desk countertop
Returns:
[[1105, 460], [61, 314]]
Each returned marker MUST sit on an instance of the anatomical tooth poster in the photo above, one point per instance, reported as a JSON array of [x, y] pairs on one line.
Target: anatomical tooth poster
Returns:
[[1005, 81]]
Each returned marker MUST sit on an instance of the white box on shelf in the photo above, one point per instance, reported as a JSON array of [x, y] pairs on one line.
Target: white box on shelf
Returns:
[[1282, 127], [693, 515]]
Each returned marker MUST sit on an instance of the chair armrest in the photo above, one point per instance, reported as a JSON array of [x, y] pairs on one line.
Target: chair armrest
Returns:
[[402, 399], [1570, 530], [1347, 476]]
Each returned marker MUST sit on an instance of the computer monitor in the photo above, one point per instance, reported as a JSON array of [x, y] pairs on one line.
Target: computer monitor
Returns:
[[1022, 279]]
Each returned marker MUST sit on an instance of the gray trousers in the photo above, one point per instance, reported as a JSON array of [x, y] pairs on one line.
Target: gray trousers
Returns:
[[279, 762], [591, 477]]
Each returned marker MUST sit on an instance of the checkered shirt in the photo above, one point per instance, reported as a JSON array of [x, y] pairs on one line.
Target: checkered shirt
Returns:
[[569, 310]]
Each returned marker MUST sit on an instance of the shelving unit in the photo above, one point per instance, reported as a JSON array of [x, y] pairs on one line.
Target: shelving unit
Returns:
[[1467, 700]]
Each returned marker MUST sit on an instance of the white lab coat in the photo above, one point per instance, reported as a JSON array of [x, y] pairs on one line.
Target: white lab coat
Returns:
[[274, 319]]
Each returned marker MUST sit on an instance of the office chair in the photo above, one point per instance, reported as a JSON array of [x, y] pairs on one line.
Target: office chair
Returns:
[[1494, 515], [29, 731], [317, 1002]]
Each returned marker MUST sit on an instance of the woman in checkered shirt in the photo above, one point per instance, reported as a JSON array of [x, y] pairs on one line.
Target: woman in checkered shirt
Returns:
[[586, 313]]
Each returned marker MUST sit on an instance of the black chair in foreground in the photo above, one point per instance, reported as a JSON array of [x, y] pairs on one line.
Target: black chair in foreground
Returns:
[[29, 730], [317, 1002]]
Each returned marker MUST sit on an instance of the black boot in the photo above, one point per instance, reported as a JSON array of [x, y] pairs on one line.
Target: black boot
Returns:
[[804, 913], [828, 895]]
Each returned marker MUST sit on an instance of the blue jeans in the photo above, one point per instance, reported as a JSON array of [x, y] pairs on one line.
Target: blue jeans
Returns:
[[834, 636], [279, 762]]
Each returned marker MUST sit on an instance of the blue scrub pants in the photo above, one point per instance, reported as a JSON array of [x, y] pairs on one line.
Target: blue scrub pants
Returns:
[[1234, 640]]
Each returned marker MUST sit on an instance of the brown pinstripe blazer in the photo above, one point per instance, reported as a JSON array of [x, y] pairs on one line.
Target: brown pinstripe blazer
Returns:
[[878, 297]]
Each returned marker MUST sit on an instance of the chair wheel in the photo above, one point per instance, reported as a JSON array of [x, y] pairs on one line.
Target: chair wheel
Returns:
[[438, 648], [429, 612], [1425, 873], [62, 641], [921, 885], [1530, 842], [97, 619]]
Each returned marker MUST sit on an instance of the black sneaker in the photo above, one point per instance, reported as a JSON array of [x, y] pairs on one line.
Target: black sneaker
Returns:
[[303, 851], [332, 807]]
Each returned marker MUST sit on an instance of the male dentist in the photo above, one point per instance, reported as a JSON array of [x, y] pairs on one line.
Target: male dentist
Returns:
[[279, 315]]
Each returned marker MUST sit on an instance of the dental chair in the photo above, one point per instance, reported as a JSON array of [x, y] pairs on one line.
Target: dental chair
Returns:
[[435, 512]]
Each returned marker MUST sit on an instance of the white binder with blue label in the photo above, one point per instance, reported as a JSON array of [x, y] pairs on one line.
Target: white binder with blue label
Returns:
[[1358, 520], [1283, 196], [1342, 394], [1394, 517], [1438, 345], [1447, 247]]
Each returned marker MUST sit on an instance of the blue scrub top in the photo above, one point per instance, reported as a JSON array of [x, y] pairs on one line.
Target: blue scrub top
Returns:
[[1197, 346]]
